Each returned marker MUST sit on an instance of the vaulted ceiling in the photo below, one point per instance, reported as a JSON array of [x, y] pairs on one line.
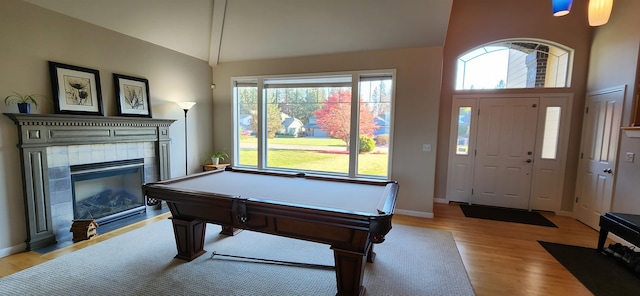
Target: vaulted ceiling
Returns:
[[221, 31]]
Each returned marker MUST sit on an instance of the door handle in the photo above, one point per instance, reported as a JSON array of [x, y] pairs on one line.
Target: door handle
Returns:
[[608, 170], [529, 160]]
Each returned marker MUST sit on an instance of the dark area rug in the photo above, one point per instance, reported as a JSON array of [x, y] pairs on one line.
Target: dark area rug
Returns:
[[601, 274], [505, 214]]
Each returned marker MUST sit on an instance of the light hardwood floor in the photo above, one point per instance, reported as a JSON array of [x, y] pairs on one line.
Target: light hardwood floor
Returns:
[[501, 258]]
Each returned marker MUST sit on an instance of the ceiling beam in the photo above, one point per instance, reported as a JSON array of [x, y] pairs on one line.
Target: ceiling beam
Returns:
[[217, 26]]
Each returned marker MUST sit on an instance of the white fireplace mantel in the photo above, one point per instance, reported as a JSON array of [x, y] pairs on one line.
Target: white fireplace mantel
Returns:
[[37, 132]]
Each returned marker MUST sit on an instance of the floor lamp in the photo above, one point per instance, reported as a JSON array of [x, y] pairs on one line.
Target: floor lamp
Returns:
[[185, 106]]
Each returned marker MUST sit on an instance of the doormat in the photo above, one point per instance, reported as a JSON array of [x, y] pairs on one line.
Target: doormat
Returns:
[[505, 215], [602, 275]]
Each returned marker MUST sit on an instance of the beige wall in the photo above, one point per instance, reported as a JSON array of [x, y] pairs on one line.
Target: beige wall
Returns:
[[30, 36], [416, 108], [474, 23], [614, 62]]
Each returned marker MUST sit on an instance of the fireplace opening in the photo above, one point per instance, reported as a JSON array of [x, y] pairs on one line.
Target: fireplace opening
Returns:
[[108, 191]]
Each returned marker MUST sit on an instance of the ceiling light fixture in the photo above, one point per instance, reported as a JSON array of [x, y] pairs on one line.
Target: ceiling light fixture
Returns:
[[561, 7], [599, 12]]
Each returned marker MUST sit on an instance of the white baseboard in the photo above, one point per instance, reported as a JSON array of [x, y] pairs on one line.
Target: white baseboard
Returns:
[[565, 213], [12, 250], [414, 213], [440, 200]]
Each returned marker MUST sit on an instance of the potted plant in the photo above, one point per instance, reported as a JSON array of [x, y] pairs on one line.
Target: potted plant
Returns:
[[217, 156], [24, 101]]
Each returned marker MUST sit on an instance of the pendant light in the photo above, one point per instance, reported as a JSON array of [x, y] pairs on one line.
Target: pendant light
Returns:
[[599, 12], [561, 7]]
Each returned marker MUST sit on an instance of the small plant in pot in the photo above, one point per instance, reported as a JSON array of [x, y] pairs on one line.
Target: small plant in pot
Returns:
[[217, 156], [23, 101]]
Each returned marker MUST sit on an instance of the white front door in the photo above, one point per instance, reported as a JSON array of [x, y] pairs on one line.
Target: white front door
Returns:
[[599, 148], [505, 152]]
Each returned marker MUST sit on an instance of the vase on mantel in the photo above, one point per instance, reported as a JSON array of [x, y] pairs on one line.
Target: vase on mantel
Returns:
[[24, 108]]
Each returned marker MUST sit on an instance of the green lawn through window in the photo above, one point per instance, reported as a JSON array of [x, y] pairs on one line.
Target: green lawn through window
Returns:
[[338, 162], [303, 141]]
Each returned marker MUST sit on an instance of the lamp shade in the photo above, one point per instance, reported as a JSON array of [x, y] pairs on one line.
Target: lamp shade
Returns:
[[599, 12], [186, 105], [561, 7]]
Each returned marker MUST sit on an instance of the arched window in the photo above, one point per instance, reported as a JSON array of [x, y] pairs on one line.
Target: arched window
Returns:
[[515, 64]]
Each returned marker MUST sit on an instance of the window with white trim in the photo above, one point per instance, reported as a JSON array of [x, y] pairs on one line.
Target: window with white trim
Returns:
[[338, 123]]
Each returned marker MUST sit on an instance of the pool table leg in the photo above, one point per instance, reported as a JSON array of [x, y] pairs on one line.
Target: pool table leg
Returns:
[[371, 255], [189, 236], [602, 237], [229, 230], [349, 271]]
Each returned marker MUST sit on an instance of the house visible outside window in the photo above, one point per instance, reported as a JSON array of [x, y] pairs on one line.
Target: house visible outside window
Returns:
[[331, 123], [515, 64]]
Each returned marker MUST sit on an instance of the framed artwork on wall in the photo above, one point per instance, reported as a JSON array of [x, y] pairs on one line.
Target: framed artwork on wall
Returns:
[[76, 90], [132, 95]]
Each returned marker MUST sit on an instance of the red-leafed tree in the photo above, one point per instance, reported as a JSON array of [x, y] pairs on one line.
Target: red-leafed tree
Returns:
[[334, 118]]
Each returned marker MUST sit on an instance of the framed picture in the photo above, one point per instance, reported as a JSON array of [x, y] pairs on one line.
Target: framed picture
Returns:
[[76, 90], [132, 95]]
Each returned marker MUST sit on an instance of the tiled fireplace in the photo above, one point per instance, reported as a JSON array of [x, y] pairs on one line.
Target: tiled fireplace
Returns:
[[51, 146], [63, 160]]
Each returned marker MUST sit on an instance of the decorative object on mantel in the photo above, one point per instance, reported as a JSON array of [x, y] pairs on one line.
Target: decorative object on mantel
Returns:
[[132, 95], [185, 106], [83, 229], [76, 90], [23, 101]]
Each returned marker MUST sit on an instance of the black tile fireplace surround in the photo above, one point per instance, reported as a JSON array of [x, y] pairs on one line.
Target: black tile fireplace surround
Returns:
[[50, 143]]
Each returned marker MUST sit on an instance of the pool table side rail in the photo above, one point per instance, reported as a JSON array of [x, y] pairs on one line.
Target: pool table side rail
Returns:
[[167, 193], [309, 176], [388, 205], [385, 207], [208, 199]]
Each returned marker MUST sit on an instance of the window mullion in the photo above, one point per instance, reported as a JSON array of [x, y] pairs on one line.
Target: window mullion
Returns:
[[262, 126], [354, 128]]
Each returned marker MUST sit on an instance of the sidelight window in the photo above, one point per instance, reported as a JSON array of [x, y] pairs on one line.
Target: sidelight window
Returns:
[[551, 132]]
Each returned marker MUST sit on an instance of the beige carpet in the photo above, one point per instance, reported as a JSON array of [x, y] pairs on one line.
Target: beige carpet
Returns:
[[412, 261]]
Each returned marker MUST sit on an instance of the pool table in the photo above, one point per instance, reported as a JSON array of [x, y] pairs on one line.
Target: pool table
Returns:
[[348, 214]]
